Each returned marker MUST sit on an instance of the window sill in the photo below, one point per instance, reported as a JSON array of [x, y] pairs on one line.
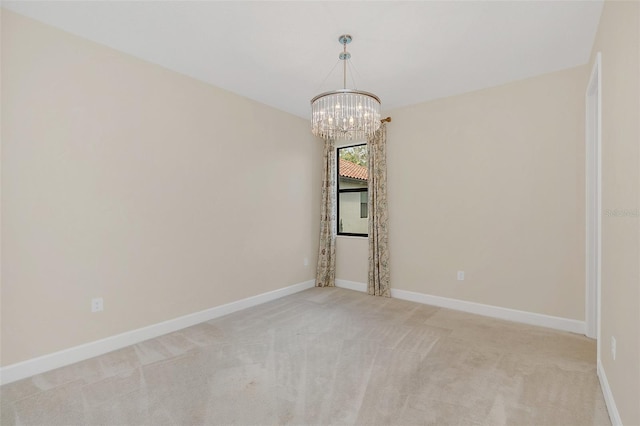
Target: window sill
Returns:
[[357, 237]]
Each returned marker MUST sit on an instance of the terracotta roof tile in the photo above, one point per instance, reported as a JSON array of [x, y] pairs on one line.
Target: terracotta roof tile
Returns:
[[353, 171]]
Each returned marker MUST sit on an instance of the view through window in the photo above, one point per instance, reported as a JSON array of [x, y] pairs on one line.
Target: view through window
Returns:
[[353, 181]]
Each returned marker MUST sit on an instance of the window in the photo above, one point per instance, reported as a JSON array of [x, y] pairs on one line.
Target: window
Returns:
[[353, 193]]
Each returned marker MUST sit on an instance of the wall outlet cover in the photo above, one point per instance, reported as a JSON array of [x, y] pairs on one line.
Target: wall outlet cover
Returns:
[[97, 304]]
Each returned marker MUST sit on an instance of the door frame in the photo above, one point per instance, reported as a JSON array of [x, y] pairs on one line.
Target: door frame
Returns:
[[593, 200]]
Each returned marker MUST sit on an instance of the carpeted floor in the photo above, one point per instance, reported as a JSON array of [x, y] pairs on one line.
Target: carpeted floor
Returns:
[[327, 356]]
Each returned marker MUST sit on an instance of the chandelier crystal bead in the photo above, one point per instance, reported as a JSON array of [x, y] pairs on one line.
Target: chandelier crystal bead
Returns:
[[345, 114]]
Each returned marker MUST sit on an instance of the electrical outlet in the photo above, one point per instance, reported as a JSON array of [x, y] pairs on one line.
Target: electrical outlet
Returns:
[[306, 261], [460, 275], [613, 347], [97, 304]]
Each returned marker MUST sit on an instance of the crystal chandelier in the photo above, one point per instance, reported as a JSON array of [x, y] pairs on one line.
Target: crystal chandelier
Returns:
[[345, 113]]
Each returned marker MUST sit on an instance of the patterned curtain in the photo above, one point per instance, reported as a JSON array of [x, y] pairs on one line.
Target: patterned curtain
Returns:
[[326, 272], [378, 282]]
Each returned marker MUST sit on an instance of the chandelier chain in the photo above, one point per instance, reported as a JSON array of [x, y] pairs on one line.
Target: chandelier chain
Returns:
[[354, 70], [353, 80], [328, 75]]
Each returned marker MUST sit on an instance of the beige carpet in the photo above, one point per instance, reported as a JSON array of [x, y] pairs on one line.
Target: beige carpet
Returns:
[[327, 356]]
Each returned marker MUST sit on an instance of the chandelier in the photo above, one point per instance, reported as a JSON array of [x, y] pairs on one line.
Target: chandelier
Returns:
[[345, 113]]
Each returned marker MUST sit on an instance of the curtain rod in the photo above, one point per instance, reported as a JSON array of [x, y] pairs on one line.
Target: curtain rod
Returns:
[[388, 120]]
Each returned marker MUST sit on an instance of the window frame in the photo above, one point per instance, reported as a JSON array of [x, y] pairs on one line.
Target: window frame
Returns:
[[347, 190]]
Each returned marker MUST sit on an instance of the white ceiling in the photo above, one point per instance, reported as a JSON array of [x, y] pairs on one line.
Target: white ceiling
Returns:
[[279, 53]]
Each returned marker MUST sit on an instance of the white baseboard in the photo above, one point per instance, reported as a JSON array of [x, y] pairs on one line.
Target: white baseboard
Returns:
[[525, 317], [530, 318], [24, 369], [614, 415]]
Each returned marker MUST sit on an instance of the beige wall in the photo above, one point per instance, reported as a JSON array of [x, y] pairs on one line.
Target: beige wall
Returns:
[[114, 184], [618, 40], [492, 183], [352, 259]]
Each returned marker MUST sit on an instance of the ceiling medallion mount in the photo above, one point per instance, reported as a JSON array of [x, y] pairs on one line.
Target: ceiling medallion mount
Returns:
[[345, 114]]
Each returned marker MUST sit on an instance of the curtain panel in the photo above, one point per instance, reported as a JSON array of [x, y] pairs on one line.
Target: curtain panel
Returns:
[[379, 277], [326, 270]]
